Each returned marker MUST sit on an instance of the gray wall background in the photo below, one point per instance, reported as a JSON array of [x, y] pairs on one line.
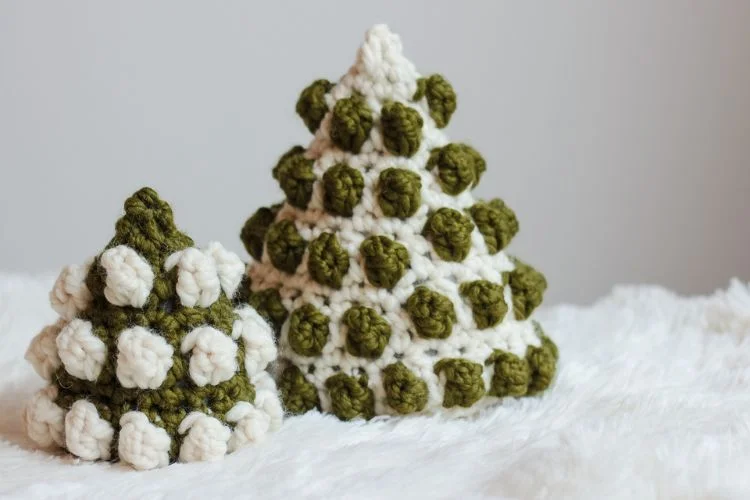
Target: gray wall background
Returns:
[[618, 131]]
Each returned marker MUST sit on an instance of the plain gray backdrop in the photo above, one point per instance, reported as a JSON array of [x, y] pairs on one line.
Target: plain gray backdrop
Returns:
[[618, 131]]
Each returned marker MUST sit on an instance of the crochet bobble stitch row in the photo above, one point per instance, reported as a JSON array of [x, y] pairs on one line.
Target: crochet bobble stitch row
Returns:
[[151, 361], [385, 280]]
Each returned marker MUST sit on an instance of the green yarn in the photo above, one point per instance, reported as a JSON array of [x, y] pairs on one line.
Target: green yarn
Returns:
[[285, 246], [254, 231], [298, 395], [542, 362], [402, 128], [328, 262], [487, 302], [512, 374], [350, 397], [148, 228], [295, 175], [308, 330], [459, 166], [342, 189], [399, 192], [367, 332], [528, 286], [311, 105], [405, 392], [433, 314], [269, 305], [450, 234], [351, 123], [463, 381], [497, 223], [385, 260], [441, 98]]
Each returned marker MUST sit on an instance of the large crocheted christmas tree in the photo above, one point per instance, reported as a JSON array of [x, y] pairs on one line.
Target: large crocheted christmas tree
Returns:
[[150, 361], [386, 280]]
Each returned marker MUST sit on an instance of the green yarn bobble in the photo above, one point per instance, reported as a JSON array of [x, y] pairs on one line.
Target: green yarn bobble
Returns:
[[295, 175], [328, 262], [351, 123], [450, 234], [254, 231], [367, 332], [311, 105], [350, 397], [269, 305], [298, 395], [308, 330], [402, 128], [405, 392], [342, 189], [385, 260], [528, 286], [399, 192], [497, 223], [441, 98], [543, 363], [285, 246], [459, 166], [463, 381], [512, 374], [487, 302], [433, 314]]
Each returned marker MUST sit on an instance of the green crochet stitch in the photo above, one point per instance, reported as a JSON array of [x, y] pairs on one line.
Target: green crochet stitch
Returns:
[[391, 287], [142, 346]]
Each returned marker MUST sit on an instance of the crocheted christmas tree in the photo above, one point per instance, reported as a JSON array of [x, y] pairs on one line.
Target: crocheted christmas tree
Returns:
[[387, 281], [150, 361]]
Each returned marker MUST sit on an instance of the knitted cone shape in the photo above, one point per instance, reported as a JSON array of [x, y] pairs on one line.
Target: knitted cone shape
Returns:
[[150, 361], [386, 280]]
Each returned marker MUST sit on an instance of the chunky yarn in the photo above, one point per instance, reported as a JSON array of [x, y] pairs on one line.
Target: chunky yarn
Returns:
[[151, 357], [342, 189], [351, 122], [441, 98], [311, 105], [459, 166], [385, 280], [402, 128], [400, 192]]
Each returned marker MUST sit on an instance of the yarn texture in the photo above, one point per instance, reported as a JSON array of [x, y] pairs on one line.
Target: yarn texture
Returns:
[[390, 288], [154, 354]]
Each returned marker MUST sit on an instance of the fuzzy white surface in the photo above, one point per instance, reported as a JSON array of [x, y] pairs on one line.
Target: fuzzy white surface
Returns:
[[652, 400]]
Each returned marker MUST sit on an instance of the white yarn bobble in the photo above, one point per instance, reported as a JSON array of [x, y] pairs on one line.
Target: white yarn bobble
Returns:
[[229, 266], [42, 351], [254, 421], [86, 434], [213, 356], [256, 333], [251, 425], [197, 277], [143, 358], [81, 352], [207, 439], [267, 398], [141, 443], [69, 296], [129, 276], [43, 420]]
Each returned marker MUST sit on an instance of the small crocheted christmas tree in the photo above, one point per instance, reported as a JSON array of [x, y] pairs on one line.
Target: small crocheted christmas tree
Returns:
[[386, 280], [150, 362]]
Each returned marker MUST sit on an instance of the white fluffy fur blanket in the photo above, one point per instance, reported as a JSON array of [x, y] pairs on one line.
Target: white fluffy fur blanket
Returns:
[[652, 401]]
